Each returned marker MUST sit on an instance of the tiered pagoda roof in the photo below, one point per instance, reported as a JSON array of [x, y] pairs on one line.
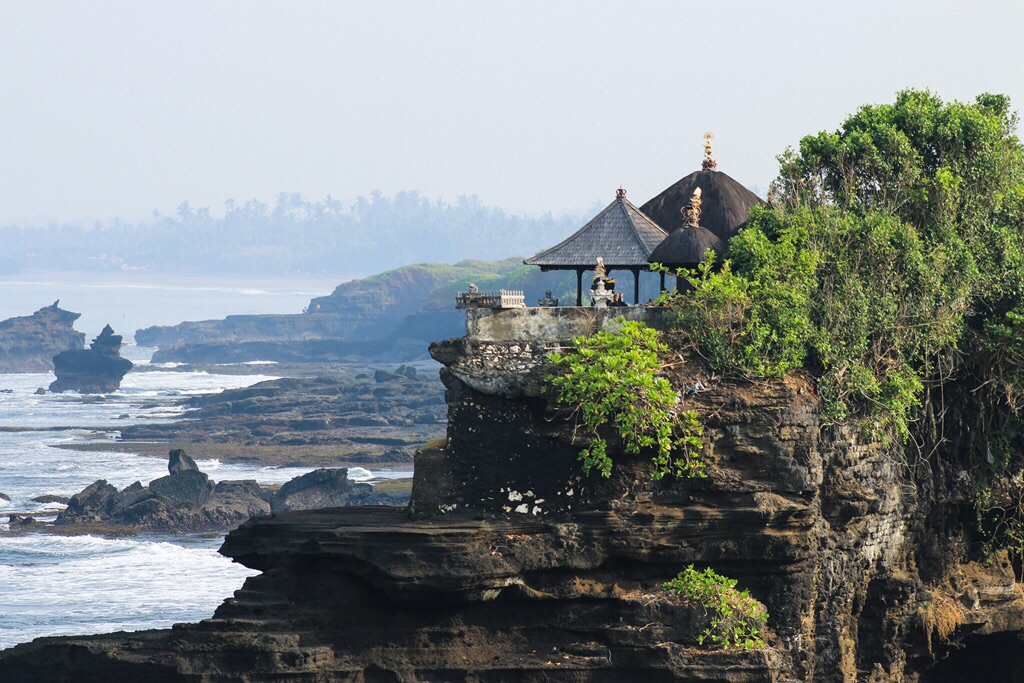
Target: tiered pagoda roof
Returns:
[[620, 234]]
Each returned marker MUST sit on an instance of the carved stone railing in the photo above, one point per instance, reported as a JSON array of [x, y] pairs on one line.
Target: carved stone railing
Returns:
[[503, 298]]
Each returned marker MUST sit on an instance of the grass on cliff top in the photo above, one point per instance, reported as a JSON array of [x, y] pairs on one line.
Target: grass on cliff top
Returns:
[[403, 485]]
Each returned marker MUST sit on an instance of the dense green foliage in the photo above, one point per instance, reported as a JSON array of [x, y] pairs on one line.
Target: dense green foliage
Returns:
[[609, 382], [891, 262], [736, 618]]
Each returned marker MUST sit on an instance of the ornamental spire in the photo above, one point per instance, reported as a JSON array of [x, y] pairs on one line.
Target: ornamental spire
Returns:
[[620, 193], [691, 212], [709, 161]]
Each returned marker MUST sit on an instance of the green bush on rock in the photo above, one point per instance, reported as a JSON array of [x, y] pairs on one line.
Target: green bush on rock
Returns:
[[609, 383], [736, 618]]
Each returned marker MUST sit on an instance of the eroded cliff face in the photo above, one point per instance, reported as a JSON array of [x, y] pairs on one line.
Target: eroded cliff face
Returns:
[[29, 343], [510, 565]]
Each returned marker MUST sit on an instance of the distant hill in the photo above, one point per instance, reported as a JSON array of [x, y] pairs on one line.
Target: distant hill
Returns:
[[390, 316]]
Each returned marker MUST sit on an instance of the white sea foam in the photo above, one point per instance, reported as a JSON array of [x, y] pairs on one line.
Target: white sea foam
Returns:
[[84, 580], [51, 585]]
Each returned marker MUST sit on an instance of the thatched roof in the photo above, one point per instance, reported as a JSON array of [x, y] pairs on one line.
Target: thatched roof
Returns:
[[685, 247], [621, 234], [725, 208]]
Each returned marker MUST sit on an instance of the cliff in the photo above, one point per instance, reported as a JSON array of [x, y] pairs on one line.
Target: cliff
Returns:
[[29, 343], [511, 565]]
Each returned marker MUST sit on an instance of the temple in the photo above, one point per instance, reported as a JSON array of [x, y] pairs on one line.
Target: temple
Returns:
[[701, 211]]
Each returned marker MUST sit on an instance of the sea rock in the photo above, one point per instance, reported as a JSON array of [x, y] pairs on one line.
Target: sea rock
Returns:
[[188, 489], [50, 498], [179, 461], [321, 488], [4, 496], [21, 520], [29, 343], [341, 410], [187, 501], [98, 370]]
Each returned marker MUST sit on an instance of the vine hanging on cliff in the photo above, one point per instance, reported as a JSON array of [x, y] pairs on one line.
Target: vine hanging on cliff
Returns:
[[609, 382]]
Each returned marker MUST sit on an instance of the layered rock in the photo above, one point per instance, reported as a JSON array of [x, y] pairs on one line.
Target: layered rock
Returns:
[[96, 370], [29, 343], [511, 565]]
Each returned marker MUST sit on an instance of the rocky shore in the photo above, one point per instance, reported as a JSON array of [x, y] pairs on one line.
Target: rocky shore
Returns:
[[187, 501], [367, 417], [511, 565]]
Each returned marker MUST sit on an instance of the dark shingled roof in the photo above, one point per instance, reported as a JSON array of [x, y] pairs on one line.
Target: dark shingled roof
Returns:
[[685, 247], [725, 206], [621, 234]]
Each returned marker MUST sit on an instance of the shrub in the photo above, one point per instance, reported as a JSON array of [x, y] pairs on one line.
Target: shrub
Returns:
[[736, 618], [609, 382]]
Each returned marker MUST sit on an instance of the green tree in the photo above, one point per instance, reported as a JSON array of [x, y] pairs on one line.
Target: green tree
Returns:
[[891, 262]]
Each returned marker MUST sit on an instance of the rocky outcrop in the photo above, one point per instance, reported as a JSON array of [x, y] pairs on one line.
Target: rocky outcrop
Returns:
[[323, 488], [186, 501], [29, 343], [97, 370], [511, 565]]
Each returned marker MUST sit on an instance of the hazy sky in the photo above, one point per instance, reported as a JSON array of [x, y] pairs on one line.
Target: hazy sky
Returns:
[[117, 108]]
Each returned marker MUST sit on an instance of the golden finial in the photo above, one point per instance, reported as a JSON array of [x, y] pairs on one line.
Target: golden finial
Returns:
[[620, 193], [709, 161]]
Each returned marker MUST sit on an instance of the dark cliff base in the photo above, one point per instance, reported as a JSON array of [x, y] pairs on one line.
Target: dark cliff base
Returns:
[[510, 565]]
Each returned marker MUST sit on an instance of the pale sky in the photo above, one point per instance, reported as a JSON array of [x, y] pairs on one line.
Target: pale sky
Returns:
[[116, 108]]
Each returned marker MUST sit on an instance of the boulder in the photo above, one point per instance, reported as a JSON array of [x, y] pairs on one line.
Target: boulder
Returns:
[[385, 376], [189, 489], [322, 488], [179, 461], [90, 502], [50, 498], [21, 520]]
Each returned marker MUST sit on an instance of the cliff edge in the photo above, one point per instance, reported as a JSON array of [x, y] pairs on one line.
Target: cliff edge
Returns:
[[510, 564]]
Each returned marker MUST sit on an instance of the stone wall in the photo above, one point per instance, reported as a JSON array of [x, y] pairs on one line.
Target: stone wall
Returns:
[[560, 323]]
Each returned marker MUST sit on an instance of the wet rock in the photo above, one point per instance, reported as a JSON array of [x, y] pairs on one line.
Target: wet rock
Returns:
[[97, 370], [50, 498], [179, 462], [21, 520], [321, 488], [4, 496]]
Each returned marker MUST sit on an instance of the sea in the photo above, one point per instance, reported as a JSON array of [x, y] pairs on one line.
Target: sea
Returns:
[[73, 585]]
